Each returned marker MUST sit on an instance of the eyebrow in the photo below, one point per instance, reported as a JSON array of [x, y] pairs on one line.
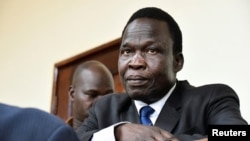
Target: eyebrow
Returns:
[[148, 42]]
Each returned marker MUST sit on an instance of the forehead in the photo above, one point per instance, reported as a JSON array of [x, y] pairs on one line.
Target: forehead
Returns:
[[146, 27], [93, 78], [89, 75]]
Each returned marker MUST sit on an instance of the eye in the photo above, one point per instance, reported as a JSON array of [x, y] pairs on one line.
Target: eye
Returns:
[[91, 94], [126, 51], [151, 51]]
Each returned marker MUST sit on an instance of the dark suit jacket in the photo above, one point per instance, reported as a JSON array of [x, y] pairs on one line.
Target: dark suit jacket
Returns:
[[27, 124], [187, 112]]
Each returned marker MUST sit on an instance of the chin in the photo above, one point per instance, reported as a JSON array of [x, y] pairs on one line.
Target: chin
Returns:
[[137, 94]]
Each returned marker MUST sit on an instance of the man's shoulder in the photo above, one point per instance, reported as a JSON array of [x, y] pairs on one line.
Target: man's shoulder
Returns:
[[216, 88], [18, 122], [207, 90], [114, 100], [212, 86], [115, 97], [11, 112]]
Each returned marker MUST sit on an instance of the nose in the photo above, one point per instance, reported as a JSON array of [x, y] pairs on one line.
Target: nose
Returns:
[[137, 62]]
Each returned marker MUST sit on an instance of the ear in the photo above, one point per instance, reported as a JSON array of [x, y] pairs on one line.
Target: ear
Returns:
[[178, 62], [71, 92]]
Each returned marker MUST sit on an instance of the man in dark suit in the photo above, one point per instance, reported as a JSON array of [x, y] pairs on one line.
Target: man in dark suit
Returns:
[[29, 124], [149, 60]]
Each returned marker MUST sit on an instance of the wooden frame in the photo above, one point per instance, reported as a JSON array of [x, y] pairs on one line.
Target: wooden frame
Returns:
[[107, 53]]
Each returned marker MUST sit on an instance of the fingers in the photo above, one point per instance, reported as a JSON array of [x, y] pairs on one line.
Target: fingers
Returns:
[[164, 135], [204, 139], [135, 132], [168, 136], [173, 138]]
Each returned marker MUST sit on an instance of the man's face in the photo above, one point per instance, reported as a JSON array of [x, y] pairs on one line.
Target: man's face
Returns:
[[146, 62], [90, 85]]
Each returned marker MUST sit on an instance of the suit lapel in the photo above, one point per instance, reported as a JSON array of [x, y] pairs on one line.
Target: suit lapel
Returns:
[[170, 113], [168, 118], [130, 113]]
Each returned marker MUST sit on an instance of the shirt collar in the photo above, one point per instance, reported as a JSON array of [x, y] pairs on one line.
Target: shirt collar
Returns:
[[157, 106]]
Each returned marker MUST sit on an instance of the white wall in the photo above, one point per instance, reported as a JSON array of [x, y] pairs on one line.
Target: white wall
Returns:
[[34, 35]]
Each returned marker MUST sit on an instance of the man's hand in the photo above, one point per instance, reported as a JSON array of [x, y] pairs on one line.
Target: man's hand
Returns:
[[204, 139], [138, 132]]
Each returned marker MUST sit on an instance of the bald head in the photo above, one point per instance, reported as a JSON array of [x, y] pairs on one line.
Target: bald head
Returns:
[[92, 67]]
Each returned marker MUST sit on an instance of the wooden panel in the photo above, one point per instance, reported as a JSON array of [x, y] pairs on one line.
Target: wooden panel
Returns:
[[107, 53]]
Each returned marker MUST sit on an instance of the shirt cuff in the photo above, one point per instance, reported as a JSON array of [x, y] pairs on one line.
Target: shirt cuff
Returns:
[[106, 134]]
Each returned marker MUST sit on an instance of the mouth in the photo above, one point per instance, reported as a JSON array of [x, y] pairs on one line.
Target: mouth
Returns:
[[136, 80]]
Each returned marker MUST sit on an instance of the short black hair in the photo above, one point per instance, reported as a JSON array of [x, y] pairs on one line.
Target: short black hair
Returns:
[[156, 13]]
